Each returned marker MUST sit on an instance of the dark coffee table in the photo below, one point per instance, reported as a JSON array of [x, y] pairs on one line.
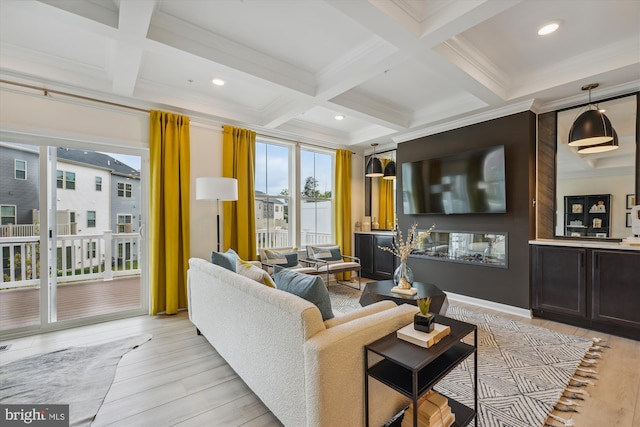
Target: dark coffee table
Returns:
[[379, 291]]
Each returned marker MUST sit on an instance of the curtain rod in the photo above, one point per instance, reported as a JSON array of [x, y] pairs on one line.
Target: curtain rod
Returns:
[[297, 142], [84, 98], [46, 92]]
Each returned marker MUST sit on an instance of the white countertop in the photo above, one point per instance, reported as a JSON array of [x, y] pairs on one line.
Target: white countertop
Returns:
[[387, 232], [585, 244]]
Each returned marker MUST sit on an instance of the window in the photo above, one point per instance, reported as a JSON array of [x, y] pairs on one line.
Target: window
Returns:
[[70, 178], [91, 249], [98, 183], [91, 219], [7, 214], [124, 223], [124, 189], [316, 197], [272, 182], [66, 180], [20, 169], [280, 202]]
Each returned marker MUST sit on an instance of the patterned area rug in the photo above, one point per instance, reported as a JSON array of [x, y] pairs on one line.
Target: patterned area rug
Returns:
[[344, 298], [524, 371]]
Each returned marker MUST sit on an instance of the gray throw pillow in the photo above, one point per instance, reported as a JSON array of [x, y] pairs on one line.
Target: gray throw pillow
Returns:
[[226, 260], [311, 288]]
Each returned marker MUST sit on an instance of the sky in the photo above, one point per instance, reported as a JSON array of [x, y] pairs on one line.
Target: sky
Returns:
[[272, 168], [133, 161]]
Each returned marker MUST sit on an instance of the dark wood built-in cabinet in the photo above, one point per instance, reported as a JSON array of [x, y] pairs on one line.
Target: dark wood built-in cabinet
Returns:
[[589, 287], [375, 263], [588, 215]]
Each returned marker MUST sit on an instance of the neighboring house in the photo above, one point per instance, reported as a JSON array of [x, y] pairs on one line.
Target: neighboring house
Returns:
[[95, 193], [19, 180], [268, 207], [121, 186]]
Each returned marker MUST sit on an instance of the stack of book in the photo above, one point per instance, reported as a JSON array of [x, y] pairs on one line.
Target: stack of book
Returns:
[[433, 411], [423, 339]]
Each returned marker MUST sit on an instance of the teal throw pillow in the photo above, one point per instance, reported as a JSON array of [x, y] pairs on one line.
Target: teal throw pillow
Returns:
[[311, 288], [226, 260], [282, 258], [327, 253]]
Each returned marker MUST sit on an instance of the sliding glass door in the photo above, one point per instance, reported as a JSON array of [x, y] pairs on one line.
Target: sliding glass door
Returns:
[[82, 258]]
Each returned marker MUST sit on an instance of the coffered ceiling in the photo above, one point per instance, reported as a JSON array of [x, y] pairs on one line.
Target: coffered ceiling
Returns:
[[395, 69]]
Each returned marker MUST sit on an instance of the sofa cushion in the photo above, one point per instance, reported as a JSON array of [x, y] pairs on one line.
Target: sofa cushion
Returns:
[[227, 259], [284, 258], [245, 268], [311, 288]]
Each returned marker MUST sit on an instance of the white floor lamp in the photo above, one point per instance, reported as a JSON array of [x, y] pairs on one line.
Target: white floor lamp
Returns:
[[218, 189]]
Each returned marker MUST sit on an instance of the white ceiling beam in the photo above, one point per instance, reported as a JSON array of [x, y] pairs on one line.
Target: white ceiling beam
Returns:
[[213, 47], [133, 25]]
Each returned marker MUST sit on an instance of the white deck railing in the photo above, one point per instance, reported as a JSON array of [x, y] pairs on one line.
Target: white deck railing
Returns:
[[28, 230], [115, 255], [280, 238]]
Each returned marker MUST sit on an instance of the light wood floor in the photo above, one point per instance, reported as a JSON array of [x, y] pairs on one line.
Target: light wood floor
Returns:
[[177, 378]]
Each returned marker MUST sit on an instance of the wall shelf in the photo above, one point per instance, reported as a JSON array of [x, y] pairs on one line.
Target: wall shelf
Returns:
[[587, 215]]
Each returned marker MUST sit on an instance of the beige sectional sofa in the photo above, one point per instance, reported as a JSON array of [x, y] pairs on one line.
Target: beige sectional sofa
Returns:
[[306, 371]]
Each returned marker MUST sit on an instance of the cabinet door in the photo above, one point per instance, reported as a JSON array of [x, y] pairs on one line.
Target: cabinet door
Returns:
[[364, 251], [383, 261], [559, 282], [616, 288]]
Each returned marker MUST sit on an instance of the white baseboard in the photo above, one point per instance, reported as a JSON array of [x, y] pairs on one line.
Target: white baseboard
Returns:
[[509, 309]]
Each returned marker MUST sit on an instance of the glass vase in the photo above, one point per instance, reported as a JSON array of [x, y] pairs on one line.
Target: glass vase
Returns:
[[403, 276]]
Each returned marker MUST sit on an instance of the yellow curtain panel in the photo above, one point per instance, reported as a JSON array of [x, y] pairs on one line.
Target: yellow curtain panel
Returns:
[[385, 209], [238, 161], [169, 211], [343, 205]]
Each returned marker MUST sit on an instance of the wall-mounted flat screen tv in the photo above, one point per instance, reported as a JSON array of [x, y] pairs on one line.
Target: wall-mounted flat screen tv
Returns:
[[472, 182]]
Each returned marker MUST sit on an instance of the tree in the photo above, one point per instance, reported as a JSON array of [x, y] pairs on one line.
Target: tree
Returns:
[[310, 187]]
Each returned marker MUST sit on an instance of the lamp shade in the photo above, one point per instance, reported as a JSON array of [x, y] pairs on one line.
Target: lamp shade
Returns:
[[216, 188], [374, 168], [600, 148], [390, 170], [590, 128]]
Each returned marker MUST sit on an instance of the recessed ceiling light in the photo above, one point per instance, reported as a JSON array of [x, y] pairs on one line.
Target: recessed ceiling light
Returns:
[[548, 28], [218, 82], [339, 117]]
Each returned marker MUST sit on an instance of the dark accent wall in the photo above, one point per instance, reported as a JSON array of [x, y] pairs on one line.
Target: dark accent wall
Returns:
[[507, 286]]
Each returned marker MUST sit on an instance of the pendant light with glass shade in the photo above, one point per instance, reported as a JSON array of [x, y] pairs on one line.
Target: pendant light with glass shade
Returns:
[[591, 127], [374, 165]]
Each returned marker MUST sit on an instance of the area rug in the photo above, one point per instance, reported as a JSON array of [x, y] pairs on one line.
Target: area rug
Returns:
[[525, 372], [344, 298], [77, 376]]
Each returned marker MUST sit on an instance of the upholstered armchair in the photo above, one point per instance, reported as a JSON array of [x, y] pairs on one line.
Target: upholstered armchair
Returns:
[[286, 258], [331, 260]]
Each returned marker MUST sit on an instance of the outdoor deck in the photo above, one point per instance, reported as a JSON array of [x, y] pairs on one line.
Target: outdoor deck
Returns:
[[20, 307]]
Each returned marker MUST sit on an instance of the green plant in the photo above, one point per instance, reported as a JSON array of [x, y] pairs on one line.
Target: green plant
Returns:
[[424, 304]]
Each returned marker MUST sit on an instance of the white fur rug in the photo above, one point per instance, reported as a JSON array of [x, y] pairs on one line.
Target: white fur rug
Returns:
[[77, 376]]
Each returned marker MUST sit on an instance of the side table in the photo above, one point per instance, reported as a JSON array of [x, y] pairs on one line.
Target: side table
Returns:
[[413, 370]]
